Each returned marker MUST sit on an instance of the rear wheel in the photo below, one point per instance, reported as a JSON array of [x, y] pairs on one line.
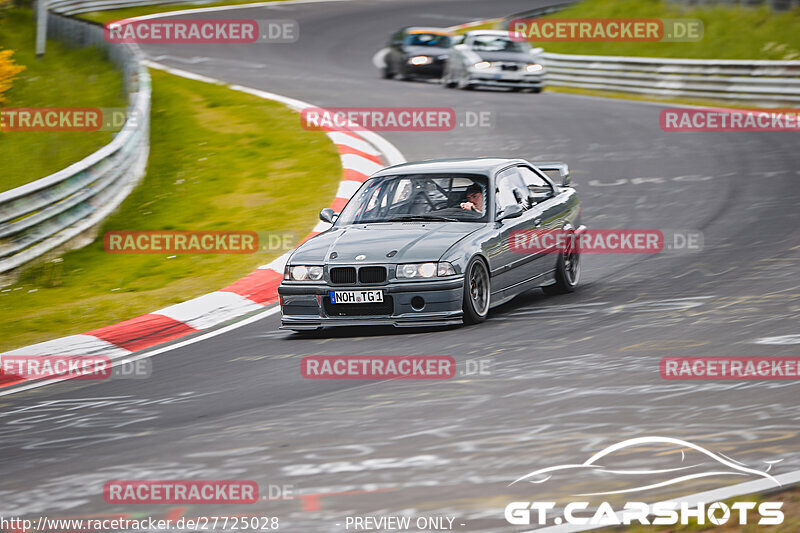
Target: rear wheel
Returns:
[[476, 292], [568, 273]]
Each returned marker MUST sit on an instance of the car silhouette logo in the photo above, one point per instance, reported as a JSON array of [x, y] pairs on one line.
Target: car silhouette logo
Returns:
[[361, 257], [717, 465]]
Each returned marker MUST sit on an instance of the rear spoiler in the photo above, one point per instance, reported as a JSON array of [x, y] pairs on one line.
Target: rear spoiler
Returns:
[[555, 166]]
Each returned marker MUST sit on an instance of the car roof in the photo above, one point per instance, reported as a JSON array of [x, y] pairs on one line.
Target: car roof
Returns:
[[499, 33], [482, 165], [422, 29]]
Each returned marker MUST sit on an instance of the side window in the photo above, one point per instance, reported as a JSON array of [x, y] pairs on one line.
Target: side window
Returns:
[[538, 188], [532, 179], [510, 189]]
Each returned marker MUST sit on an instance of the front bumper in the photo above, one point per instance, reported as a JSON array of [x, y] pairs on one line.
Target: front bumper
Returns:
[[532, 81], [431, 70], [308, 306]]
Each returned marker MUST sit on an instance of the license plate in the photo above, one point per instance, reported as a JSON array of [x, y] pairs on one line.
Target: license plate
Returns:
[[356, 297]]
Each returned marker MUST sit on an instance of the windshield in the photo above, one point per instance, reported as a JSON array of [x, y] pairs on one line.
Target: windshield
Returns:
[[428, 39], [422, 197], [497, 43]]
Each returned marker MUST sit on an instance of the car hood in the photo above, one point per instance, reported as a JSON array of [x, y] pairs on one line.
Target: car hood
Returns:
[[432, 51], [515, 57], [412, 242]]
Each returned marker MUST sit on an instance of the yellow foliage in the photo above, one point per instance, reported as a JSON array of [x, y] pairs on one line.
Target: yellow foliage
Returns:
[[8, 71]]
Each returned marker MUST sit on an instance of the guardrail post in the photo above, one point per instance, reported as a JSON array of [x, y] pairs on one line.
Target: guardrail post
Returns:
[[41, 27]]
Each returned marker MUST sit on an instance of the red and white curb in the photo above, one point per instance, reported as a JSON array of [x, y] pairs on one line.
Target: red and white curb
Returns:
[[362, 153]]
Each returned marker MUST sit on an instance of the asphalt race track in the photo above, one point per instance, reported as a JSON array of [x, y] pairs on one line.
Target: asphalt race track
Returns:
[[569, 375]]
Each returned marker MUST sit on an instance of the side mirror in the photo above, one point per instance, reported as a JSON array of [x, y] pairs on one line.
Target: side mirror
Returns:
[[327, 215], [512, 211]]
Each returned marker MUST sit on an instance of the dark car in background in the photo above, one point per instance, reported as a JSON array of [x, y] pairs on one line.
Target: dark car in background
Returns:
[[491, 58], [429, 243], [417, 52]]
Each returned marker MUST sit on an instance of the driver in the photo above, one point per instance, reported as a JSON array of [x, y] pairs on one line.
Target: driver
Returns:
[[474, 199]]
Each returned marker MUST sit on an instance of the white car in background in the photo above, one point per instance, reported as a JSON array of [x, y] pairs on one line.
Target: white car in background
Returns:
[[491, 58]]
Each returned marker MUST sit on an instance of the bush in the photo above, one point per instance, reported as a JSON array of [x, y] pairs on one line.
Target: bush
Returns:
[[8, 71]]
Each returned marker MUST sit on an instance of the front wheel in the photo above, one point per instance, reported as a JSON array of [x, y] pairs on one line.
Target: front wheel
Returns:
[[476, 292], [464, 82], [447, 79], [568, 273]]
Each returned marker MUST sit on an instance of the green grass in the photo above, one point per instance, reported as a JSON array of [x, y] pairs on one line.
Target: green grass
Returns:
[[492, 24], [220, 160], [118, 14], [63, 78], [730, 32]]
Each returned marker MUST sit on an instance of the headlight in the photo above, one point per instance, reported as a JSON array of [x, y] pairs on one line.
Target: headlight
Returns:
[[420, 60], [303, 273], [482, 65], [424, 270], [534, 67]]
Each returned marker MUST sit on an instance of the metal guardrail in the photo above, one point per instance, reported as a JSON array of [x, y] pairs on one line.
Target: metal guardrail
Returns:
[[72, 7], [45, 214], [753, 81]]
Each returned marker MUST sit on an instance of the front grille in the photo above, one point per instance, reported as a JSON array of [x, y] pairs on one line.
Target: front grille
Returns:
[[509, 66], [372, 274], [386, 307], [343, 275]]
